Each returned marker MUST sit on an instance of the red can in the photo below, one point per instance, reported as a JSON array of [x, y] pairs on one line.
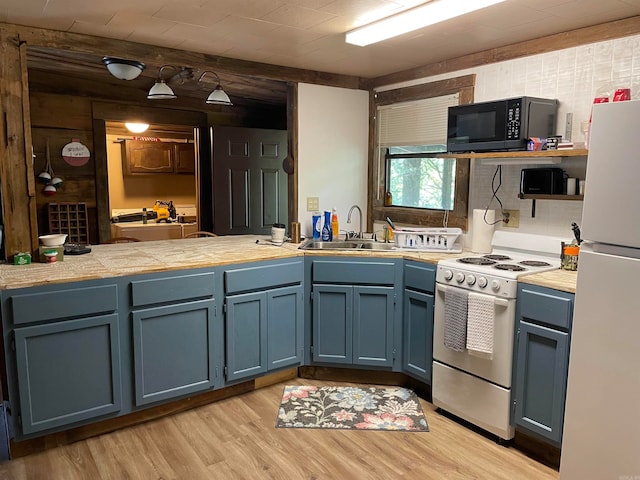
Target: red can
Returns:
[[622, 94]]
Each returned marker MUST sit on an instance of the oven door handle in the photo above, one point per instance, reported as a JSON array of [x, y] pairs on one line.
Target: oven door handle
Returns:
[[500, 302]]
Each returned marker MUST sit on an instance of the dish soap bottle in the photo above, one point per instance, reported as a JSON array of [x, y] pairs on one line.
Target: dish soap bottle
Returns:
[[334, 224], [327, 233]]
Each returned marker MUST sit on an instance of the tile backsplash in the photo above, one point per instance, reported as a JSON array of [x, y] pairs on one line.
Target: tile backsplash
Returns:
[[574, 76]]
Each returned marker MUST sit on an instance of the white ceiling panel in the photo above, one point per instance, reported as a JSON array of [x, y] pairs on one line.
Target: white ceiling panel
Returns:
[[310, 33]]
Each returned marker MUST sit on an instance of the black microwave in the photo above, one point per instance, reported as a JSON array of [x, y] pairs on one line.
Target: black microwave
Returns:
[[500, 124]]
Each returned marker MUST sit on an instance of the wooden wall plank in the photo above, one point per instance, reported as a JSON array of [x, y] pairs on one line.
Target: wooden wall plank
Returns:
[[162, 55], [19, 213], [292, 140], [54, 111]]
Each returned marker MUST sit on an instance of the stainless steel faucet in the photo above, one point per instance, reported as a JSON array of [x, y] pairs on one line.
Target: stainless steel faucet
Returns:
[[349, 217]]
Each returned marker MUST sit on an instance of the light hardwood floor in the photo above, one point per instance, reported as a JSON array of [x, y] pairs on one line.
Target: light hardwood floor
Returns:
[[236, 439]]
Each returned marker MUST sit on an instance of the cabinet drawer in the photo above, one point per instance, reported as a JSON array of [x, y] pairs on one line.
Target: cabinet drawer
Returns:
[[172, 289], [263, 276], [420, 277], [546, 306], [365, 273], [65, 303]]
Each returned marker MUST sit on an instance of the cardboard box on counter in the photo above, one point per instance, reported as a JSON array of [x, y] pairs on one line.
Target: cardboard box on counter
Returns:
[[42, 249]]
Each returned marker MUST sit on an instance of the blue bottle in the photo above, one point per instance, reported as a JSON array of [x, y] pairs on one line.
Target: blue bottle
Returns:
[[316, 224], [327, 232]]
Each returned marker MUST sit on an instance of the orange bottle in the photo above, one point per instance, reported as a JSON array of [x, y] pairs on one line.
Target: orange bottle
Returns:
[[334, 224]]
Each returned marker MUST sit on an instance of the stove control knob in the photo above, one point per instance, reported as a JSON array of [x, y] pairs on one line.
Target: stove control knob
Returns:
[[471, 279], [459, 277], [448, 275], [482, 282], [495, 285]]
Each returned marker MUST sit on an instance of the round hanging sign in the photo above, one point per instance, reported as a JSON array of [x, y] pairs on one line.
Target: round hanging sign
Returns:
[[75, 153]]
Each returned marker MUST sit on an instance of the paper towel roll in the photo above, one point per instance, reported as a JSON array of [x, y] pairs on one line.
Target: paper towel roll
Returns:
[[482, 233]]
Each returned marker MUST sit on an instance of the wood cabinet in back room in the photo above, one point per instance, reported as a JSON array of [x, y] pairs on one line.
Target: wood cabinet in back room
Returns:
[[146, 157]]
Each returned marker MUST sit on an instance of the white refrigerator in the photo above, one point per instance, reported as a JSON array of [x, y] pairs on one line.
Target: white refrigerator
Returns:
[[601, 437]]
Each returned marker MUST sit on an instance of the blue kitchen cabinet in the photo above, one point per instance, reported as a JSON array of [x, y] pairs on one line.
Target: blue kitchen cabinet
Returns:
[[264, 318], [173, 327], [66, 363], [417, 347], [354, 312], [542, 360]]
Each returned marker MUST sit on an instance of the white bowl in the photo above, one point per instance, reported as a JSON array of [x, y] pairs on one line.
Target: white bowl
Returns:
[[53, 240]]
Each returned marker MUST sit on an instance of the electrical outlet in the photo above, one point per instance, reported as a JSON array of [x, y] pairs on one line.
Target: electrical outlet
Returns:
[[313, 204], [511, 218]]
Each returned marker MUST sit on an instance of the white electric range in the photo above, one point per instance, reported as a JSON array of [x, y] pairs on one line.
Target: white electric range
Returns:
[[477, 388], [512, 256]]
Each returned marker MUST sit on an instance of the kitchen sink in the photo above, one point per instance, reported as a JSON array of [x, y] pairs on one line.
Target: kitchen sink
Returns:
[[355, 244]]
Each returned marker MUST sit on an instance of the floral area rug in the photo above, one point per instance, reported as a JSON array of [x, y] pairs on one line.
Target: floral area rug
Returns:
[[358, 408]]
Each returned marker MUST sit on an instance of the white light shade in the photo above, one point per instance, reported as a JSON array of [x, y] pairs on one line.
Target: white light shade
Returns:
[[123, 69], [161, 91], [431, 13], [218, 97], [136, 127]]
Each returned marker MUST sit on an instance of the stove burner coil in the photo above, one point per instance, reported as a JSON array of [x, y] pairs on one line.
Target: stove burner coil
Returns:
[[476, 261], [497, 257], [534, 263], [509, 266]]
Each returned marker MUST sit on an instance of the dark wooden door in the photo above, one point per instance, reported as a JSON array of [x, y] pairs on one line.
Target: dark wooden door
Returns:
[[250, 186]]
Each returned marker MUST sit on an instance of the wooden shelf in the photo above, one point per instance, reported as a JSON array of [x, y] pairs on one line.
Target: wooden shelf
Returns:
[[534, 197], [519, 154], [531, 196]]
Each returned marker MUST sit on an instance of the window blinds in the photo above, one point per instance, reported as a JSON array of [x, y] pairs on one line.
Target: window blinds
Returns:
[[419, 122]]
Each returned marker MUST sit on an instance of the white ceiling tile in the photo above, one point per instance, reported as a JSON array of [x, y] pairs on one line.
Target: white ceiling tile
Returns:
[[299, 17], [143, 24], [186, 32], [191, 14], [245, 8], [100, 30], [232, 24], [151, 39], [52, 23]]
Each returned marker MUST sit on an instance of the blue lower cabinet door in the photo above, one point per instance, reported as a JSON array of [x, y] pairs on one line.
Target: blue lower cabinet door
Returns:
[[68, 372], [173, 350], [373, 319], [332, 324], [418, 334], [541, 380], [246, 335], [285, 325]]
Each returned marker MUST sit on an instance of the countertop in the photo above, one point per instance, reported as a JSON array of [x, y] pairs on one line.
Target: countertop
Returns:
[[106, 261]]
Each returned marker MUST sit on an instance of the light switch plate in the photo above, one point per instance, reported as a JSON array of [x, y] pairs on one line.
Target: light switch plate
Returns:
[[313, 204]]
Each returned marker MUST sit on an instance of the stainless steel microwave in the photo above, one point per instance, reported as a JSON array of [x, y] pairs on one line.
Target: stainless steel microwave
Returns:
[[501, 124]]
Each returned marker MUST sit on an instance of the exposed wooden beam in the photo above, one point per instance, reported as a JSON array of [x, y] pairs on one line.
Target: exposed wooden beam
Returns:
[[597, 33], [161, 55], [16, 166]]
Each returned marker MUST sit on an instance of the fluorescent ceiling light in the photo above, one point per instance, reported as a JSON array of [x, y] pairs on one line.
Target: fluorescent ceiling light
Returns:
[[428, 14], [136, 127]]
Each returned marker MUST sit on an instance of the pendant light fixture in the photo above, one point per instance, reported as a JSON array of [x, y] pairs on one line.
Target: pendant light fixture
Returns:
[[122, 68], [160, 89], [218, 96]]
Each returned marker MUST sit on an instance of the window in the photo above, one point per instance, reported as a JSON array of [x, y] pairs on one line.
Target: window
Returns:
[[419, 181], [411, 130]]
